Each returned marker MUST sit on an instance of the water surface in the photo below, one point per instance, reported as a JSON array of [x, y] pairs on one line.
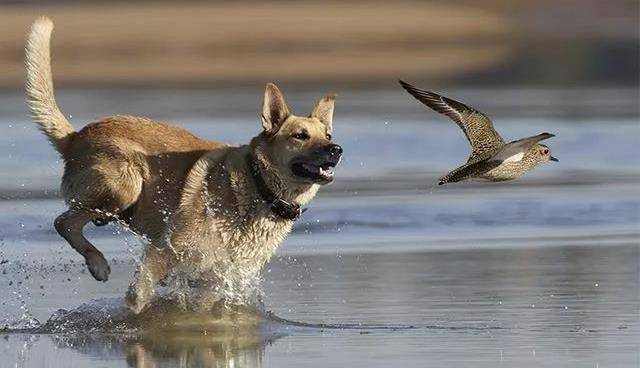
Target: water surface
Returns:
[[385, 269]]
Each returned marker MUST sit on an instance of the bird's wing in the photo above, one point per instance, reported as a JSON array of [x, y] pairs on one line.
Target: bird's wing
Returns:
[[470, 169], [476, 126], [515, 150]]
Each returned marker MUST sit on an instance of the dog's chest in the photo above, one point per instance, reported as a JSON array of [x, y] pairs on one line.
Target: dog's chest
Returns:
[[227, 219], [251, 239]]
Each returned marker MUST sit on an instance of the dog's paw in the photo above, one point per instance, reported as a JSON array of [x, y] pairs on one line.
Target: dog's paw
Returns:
[[98, 266]]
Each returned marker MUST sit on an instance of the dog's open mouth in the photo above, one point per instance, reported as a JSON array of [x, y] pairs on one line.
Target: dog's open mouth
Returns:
[[318, 173]]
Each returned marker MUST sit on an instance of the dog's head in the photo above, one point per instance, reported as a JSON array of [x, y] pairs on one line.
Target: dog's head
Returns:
[[300, 149]]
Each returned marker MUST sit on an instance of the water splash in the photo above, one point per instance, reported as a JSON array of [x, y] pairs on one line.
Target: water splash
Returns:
[[111, 315], [26, 321]]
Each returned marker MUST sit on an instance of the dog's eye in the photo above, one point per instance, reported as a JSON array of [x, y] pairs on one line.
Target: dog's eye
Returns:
[[329, 137], [303, 136]]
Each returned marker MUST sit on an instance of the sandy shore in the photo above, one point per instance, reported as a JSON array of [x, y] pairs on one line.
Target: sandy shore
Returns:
[[204, 43]]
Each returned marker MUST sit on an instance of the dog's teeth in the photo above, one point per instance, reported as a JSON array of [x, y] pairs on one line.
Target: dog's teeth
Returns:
[[326, 172]]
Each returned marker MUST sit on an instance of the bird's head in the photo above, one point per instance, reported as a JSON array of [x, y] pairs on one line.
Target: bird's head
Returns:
[[544, 153]]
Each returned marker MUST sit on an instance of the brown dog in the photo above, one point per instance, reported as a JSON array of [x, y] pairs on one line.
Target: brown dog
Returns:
[[203, 206]]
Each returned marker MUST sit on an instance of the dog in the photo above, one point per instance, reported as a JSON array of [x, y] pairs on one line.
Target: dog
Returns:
[[203, 206]]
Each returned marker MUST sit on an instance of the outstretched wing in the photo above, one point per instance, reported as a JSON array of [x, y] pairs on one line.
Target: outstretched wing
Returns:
[[515, 150], [476, 126]]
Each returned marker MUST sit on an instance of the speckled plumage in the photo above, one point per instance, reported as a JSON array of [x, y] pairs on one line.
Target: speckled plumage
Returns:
[[491, 158]]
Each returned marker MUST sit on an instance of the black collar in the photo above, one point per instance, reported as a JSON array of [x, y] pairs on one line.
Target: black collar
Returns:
[[280, 207]]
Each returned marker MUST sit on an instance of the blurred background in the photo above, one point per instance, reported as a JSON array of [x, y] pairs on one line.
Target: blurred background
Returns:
[[334, 44], [551, 260]]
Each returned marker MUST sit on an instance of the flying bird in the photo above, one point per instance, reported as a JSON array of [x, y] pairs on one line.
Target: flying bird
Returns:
[[491, 158]]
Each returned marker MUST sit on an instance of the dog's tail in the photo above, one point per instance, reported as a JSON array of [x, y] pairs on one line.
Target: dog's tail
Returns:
[[39, 86]]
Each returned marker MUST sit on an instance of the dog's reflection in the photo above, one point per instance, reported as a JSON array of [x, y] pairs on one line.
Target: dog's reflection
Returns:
[[196, 351], [173, 349], [233, 337]]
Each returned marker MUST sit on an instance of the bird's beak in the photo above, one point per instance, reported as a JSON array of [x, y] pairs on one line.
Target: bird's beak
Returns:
[[553, 159]]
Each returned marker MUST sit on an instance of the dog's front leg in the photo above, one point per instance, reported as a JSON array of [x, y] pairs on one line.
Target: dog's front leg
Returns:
[[155, 265]]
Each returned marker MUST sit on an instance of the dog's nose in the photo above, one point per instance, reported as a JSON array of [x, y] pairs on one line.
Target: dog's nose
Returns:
[[334, 150]]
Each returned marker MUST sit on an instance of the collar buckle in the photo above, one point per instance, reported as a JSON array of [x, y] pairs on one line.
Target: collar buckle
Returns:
[[286, 210]]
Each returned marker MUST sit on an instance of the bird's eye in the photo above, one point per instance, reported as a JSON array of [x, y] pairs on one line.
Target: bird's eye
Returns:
[[546, 151], [329, 136], [303, 136]]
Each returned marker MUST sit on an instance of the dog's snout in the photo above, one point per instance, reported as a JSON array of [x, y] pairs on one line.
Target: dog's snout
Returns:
[[334, 150]]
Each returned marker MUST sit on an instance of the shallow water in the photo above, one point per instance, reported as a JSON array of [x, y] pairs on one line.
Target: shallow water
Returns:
[[530, 306], [383, 270]]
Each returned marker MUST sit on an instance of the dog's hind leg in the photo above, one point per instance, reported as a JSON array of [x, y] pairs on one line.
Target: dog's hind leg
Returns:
[[93, 193], [69, 225], [154, 267]]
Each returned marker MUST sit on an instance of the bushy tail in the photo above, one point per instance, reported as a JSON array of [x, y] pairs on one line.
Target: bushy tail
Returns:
[[39, 86]]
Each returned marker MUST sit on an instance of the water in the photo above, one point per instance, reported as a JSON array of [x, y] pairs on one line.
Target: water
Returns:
[[529, 306], [383, 270]]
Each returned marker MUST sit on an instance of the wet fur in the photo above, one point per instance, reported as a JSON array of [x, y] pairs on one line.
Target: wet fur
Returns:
[[194, 200]]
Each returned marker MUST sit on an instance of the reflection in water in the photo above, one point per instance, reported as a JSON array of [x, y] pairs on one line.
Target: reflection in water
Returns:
[[237, 349], [188, 325], [164, 334], [210, 349]]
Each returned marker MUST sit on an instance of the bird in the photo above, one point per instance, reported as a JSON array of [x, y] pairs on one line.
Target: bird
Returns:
[[491, 158]]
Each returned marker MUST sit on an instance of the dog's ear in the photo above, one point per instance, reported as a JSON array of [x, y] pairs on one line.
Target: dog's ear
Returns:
[[324, 111], [274, 109]]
